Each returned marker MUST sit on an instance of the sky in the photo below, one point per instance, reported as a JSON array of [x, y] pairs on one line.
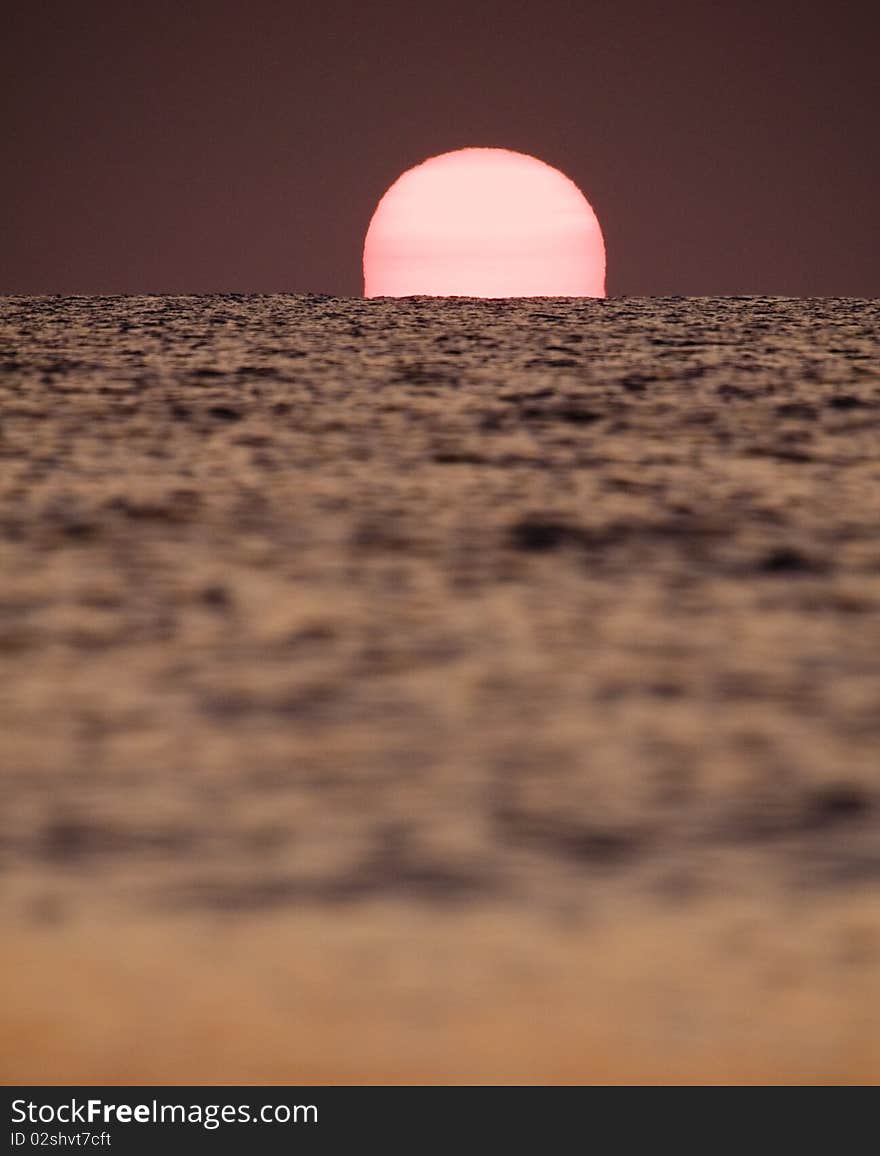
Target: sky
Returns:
[[188, 146]]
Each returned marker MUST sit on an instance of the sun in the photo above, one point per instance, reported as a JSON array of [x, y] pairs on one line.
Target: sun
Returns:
[[484, 222]]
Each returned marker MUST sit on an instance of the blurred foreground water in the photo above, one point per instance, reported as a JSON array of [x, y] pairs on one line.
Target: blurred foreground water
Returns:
[[440, 690]]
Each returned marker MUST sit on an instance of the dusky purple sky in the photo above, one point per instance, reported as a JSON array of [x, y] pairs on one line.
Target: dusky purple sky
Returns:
[[181, 146]]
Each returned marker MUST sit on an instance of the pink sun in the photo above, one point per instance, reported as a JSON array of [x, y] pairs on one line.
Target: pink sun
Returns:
[[483, 222]]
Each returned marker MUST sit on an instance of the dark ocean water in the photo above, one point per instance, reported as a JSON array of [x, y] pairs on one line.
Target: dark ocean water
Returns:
[[353, 618]]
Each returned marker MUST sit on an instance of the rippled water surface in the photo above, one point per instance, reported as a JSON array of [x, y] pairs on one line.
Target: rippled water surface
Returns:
[[374, 665]]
